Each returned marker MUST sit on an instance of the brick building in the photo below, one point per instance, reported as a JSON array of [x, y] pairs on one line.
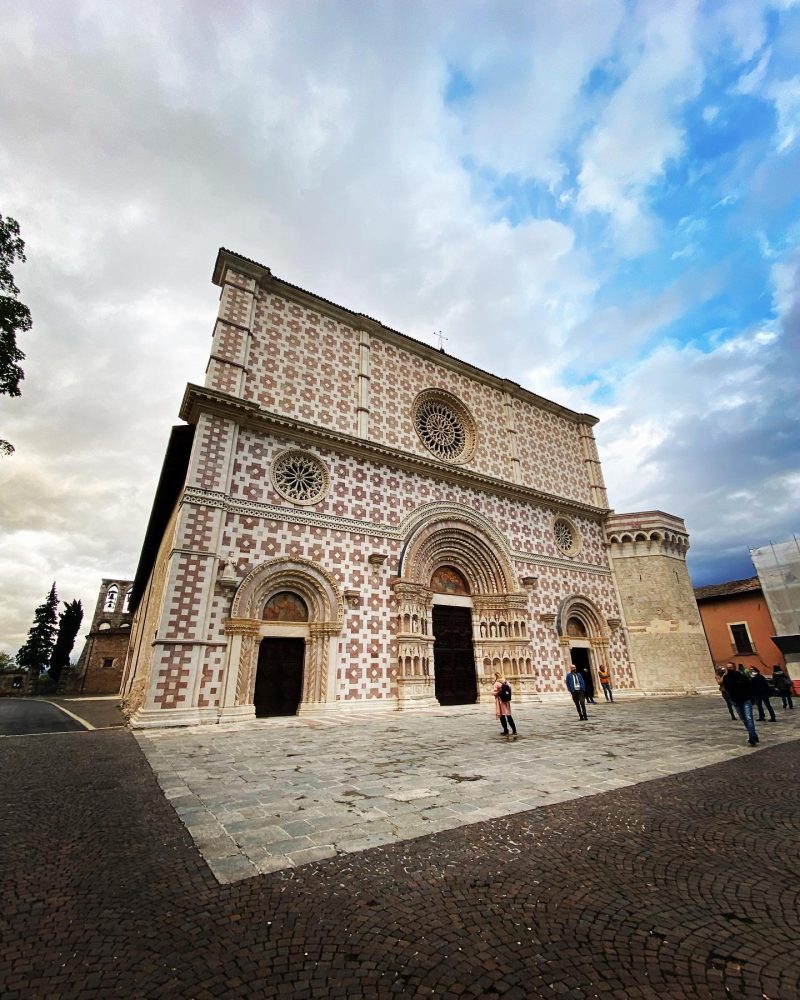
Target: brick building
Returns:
[[350, 519], [100, 666], [738, 624]]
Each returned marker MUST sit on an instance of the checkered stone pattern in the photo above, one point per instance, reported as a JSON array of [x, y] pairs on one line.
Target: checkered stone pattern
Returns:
[[399, 376], [302, 364], [367, 651], [549, 450], [192, 578], [211, 676], [197, 527], [236, 301], [553, 585], [380, 495], [173, 666], [212, 441], [227, 356]]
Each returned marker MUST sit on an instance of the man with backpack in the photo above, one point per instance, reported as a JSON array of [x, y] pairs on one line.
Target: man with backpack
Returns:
[[502, 703]]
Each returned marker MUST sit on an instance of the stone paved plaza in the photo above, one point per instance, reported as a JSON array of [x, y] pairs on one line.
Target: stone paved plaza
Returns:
[[685, 886], [275, 793]]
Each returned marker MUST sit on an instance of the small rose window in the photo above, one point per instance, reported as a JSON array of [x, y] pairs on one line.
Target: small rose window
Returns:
[[566, 536], [300, 477]]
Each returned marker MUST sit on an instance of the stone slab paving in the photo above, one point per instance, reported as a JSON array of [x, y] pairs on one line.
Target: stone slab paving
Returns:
[[683, 887], [271, 794]]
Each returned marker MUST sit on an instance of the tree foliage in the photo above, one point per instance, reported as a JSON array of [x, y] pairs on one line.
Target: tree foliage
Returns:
[[69, 622], [15, 317], [36, 653]]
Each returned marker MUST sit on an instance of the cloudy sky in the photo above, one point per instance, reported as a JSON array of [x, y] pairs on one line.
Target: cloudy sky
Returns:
[[597, 198]]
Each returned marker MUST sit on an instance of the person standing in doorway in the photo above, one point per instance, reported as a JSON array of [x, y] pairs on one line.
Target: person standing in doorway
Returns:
[[738, 687], [502, 704], [760, 689], [577, 689], [605, 681], [588, 683], [783, 685]]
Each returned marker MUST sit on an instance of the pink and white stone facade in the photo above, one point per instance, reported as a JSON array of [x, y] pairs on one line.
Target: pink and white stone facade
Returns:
[[297, 383]]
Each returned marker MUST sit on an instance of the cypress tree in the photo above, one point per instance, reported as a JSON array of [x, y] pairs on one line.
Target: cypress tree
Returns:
[[36, 653], [69, 621]]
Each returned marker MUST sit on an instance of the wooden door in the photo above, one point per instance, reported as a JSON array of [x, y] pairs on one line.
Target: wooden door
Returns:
[[453, 656], [279, 678]]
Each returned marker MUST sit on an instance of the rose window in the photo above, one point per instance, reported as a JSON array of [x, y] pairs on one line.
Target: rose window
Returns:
[[567, 537], [444, 426], [300, 477]]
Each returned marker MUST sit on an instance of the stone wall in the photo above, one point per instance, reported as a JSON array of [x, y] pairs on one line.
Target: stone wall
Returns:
[[667, 641]]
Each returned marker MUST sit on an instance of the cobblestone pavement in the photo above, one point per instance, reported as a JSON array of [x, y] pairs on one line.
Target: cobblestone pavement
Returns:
[[684, 886], [275, 793]]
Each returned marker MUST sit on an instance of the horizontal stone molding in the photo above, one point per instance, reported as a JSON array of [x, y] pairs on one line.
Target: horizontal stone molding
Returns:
[[201, 399]]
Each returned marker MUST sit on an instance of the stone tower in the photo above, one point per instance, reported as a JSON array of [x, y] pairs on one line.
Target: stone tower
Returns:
[[665, 633]]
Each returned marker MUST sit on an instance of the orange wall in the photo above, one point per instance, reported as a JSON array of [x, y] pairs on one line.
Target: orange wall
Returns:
[[718, 612]]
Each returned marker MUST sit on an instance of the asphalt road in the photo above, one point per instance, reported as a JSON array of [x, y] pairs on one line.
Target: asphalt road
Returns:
[[26, 716]]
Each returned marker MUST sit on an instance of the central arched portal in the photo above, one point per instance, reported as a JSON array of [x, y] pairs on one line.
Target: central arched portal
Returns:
[[460, 613]]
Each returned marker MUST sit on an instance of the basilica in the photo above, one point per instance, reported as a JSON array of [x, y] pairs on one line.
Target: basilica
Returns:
[[348, 519]]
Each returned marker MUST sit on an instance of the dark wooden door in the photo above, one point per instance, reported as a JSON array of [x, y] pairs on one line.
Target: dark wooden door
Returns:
[[453, 656], [279, 678]]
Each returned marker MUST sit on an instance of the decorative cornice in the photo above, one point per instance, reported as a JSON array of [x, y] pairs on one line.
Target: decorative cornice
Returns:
[[199, 399]]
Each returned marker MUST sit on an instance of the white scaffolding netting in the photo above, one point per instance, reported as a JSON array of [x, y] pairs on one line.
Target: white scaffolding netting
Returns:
[[778, 568]]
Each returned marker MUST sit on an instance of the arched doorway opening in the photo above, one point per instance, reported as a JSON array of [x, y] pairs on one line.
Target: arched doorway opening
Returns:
[[279, 671], [455, 678], [584, 638], [285, 617]]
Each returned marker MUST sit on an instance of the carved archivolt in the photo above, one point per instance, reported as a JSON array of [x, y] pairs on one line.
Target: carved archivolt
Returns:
[[325, 606], [301, 576], [443, 534], [586, 614]]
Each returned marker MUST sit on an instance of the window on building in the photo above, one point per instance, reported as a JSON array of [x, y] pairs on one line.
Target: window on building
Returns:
[[741, 638], [111, 599], [126, 604], [108, 663]]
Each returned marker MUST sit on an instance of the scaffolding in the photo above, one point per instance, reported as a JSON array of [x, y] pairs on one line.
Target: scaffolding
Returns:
[[778, 568]]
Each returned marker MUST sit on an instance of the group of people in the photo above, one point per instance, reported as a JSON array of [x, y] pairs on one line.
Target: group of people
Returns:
[[742, 688], [579, 684]]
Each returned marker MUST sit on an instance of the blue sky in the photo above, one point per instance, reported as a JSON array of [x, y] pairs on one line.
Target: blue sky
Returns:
[[599, 199]]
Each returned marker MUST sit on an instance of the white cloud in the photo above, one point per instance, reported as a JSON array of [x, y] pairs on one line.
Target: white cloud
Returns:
[[638, 133]]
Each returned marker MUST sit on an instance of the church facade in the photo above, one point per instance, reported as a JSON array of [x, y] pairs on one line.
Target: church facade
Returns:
[[349, 519]]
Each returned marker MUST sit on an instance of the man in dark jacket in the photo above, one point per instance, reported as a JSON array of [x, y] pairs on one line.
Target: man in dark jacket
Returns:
[[738, 687], [758, 682]]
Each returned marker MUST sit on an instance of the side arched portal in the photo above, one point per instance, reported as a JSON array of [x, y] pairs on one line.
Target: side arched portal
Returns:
[[449, 538], [253, 619], [583, 637]]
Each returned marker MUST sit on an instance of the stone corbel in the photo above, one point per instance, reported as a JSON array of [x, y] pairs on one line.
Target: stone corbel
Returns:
[[352, 597], [529, 581], [546, 618], [377, 558], [613, 623]]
